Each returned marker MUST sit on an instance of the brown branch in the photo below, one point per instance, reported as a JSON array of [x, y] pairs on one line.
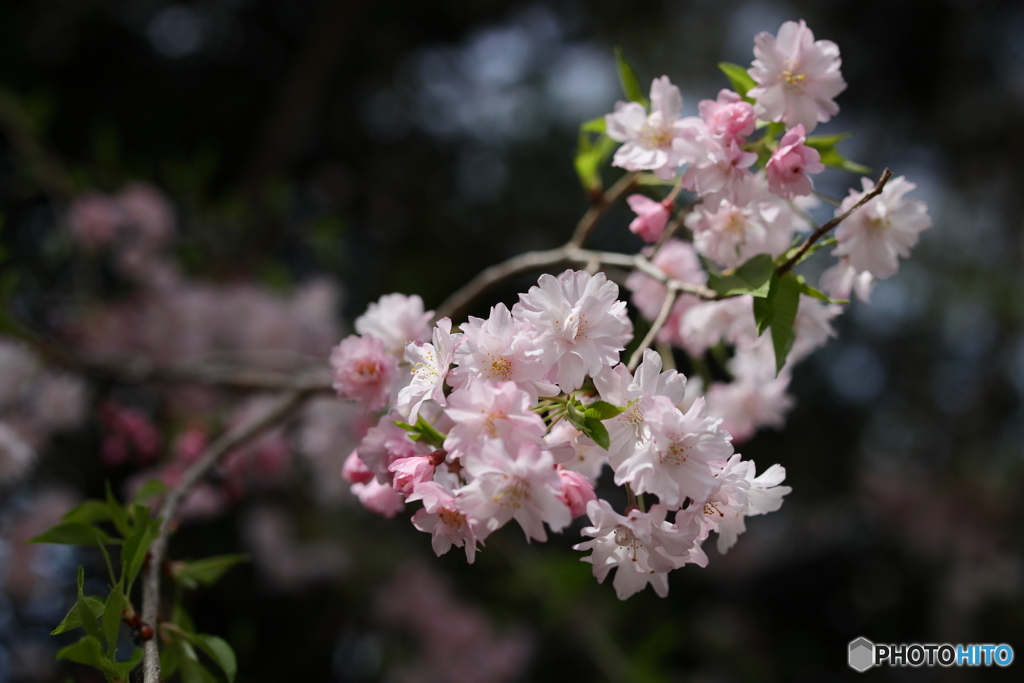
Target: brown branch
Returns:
[[597, 209], [671, 293], [823, 230], [282, 407]]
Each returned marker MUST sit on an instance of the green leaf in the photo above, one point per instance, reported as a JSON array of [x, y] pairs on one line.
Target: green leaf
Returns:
[[124, 668], [785, 302], [219, 651], [136, 546], [150, 490], [170, 655], [86, 651], [207, 571], [88, 511], [817, 294], [830, 156], [597, 125], [753, 277], [574, 413], [191, 670], [651, 180], [596, 430], [630, 82], [602, 410], [88, 619], [75, 533], [739, 78], [111, 623], [118, 515], [763, 313], [423, 431], [73, 619], [827, 242], [591, 157]]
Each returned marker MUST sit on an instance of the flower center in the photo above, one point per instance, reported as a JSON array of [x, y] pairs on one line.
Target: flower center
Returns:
[[654, 136], [793, 80], [512, 496], [675, 454], [489, 427], [452, 518], [501, 368]]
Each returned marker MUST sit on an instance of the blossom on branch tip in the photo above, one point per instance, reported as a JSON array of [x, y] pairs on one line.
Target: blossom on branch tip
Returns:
[[647, 139], [875, 236], [790, 163], [651, 217], [797, 77]]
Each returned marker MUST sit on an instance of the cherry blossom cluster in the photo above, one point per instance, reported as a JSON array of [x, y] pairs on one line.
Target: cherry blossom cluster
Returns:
[[518, 416]]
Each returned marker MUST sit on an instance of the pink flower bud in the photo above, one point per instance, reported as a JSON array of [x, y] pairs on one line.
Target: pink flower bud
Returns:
[[651, 217], [789, 164], [355, 470], [576, 491], [411, 471], [729, 117]]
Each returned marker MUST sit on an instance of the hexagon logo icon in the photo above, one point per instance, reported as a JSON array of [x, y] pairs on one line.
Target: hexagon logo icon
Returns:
[[862, 654]]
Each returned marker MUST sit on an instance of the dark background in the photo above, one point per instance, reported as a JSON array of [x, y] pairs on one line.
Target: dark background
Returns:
[[403, 146]]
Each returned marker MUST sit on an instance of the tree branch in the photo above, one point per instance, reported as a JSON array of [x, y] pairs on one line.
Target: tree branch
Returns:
[[281, 408], [824, 229], [671, 293]]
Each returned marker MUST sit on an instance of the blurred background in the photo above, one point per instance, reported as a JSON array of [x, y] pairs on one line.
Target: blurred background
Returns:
[[239, 178]]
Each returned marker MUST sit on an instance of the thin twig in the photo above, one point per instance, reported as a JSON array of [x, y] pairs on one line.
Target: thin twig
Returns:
[[823, 230], [597, 209], [280, 409], [671, 293]]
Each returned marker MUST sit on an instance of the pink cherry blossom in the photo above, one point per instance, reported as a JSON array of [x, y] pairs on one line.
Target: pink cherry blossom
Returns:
[[648, 138], [729, 117], [442, 518], [526, 488], [576, 491], [706, 324], [730, 234], [355, 470], [763, 494], [363, 371], [679, 459], [842, 279], [484, 411], [385, 443], [790, 163], [651, 217], [430, 363], [877, 234], [396, 319], [641, 545], [501, 349], [797, 77], [379, 498], [580, 325], [745, 405], [408, 472], [718, 169]]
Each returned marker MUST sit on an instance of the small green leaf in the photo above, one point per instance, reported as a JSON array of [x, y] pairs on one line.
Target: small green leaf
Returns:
[[150, 490], [752, 277], [597, 125], [630, 82], [739, 78], [574, 413], [827, 242], [651, 180], [219, 651], [73, 619], [602, 410], [830, 155], [590, 159], [763, 313], [75, 533], [122, 669], [596, 430], [423, 431], [136, 546], [88, 511], [111, 622], [86, 651], [191, 670], [118, 515], [92, 628], [817, 294], [786, 301], [206, 571]]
